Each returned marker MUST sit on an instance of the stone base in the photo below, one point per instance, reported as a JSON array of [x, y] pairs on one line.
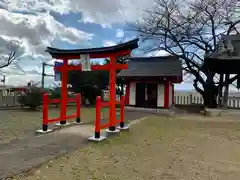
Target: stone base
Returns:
[[79, 123], [97, 139], [62, 125], [125, 128], [40, 131], [112, 133], [213, 112]]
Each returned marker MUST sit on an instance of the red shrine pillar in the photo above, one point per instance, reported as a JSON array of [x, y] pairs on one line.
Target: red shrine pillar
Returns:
[[127, 95], [166, 93], [173, 100], [112, 93], [64, 93]]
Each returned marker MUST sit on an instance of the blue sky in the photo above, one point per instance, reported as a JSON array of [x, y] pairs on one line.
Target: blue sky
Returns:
[[64, 24]]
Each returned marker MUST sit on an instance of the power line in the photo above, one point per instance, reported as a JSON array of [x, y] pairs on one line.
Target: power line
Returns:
[[44, 74], [3, 80]]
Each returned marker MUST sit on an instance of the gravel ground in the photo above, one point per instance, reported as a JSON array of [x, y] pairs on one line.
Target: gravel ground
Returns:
[[158, 148]]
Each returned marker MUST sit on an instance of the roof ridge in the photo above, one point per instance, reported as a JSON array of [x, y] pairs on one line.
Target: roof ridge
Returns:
[[154, 56], [162, 58]]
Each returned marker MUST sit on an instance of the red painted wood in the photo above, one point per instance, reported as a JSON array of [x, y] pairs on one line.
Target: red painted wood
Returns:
[[93, 67], [173, 79], [54, 100], [166, 94], [73, 116], [104, 126], [45, 109], [173, 101], [78, 104], [63, 111], [93, 55], [112, 67], [98, 115], [127, 93], [112, 92], [122, 105], [54, 120]]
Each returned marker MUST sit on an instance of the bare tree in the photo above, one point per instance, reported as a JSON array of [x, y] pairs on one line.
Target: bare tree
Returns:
[[190, 29], [9, 54]]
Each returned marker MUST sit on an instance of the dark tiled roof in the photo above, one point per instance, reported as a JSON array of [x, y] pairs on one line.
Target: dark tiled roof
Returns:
[[133, 44], [223, 60], [152, 67], [234, 40]]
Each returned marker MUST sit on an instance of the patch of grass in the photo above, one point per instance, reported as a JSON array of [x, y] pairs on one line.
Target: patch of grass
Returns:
[[156, 148], [16, 124]]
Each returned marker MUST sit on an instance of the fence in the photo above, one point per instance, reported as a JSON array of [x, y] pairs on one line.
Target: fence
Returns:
[[11, 99], [233, 102], [8, 99]]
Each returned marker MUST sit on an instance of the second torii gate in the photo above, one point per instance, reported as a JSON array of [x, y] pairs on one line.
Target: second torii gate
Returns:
[[113, 52]]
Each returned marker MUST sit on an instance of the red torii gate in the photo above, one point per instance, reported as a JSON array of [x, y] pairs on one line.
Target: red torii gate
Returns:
[[113, 52]]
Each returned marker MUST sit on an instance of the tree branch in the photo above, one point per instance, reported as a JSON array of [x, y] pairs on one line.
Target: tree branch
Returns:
[[232, 26], [10, 57]]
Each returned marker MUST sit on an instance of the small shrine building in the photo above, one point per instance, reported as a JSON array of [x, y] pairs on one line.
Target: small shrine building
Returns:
[[150, 81]]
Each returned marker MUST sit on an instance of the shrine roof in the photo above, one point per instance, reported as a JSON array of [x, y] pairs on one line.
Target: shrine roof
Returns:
[[152, 67], [130, 45], [226, 58], [221, 54]]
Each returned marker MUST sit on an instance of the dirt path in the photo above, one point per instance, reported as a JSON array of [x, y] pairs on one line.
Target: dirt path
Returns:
[[24, 154]]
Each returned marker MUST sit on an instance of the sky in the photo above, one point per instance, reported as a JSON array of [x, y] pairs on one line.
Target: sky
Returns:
[[64, 24]]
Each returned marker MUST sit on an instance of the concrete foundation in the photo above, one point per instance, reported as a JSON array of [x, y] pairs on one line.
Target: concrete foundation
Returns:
[[125, 128], [93, 139], [112, 133], [40, 131], [62, 125]]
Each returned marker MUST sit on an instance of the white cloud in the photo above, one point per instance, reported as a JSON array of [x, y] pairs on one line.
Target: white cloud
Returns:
[[107, 43], [36, 28], [33, 6], [107, 12], [119, 33], [157, 53], [34, 32], [15, 75], [103, 12], [21, 80], [38, 31]]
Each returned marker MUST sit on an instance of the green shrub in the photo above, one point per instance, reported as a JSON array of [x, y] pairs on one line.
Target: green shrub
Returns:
[[32, 98], [55, 93]]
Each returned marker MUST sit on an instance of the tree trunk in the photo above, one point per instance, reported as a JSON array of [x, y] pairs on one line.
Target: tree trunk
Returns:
[[225, 98], [220, 90], [210, 98], [210, 92]]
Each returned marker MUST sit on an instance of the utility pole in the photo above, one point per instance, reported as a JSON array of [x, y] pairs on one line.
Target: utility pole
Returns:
[[44, 74], [3, 80]]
